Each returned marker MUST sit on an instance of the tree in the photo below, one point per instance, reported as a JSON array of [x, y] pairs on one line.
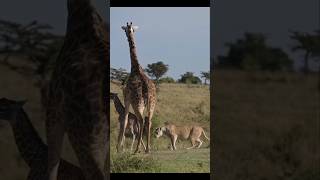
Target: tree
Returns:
[[315, 52], [305, 42], [167, 80], [189, 78], [252, 53], [35, 47], [119, 75], [157, 70], [205, 76]]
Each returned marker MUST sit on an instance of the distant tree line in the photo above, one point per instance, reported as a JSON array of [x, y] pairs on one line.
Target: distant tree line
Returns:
[[253, 53], [34, 49], [157, 71]]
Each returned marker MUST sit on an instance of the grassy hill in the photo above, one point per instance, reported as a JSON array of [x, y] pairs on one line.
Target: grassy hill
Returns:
[[177, 103]]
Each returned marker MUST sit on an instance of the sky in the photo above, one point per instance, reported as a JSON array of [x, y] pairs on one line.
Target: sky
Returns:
[[179, 37]]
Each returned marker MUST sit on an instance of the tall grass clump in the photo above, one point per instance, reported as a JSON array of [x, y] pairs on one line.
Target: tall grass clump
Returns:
[[128, 163]]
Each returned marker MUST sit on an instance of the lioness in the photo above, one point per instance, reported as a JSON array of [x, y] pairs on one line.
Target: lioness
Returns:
[[182, 132]]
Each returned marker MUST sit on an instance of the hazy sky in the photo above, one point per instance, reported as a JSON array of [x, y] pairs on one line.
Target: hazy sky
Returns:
[[180, 37]]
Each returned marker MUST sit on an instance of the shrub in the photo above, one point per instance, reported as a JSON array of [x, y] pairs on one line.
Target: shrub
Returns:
[[167, 80]]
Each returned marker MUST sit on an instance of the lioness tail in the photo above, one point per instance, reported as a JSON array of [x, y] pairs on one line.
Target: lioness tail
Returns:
[[204, 134]]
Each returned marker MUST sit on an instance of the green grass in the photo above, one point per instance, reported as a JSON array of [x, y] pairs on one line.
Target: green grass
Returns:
[[163, 161]]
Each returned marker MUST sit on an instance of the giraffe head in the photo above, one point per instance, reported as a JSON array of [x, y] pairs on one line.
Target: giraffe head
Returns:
[[129, 29], [10, 108]]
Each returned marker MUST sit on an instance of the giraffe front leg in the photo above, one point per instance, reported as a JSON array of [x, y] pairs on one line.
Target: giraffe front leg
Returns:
[[150, 109], [144, 146], [139, 112], [139, 136], [133, 138], [148, 125], [121, 137]]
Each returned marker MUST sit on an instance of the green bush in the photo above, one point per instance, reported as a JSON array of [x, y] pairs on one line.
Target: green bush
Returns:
[[189, 78]]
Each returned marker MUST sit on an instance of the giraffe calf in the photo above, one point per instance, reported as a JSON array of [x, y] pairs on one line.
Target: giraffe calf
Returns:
[[132, 126]]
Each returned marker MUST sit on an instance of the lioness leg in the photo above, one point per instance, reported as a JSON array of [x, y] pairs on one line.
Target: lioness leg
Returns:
[[173, 142], [200, 142], [193, 144]]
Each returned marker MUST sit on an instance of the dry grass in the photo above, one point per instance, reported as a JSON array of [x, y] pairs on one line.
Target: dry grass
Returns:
[[265, 128]]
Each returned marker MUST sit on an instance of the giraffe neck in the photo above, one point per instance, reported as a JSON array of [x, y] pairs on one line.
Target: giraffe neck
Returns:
[[118, 105], [76, 5], [30, 145], [135, 66]]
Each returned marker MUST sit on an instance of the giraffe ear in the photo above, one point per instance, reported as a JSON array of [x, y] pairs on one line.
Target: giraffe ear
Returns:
[[123, 27], [135, 27]]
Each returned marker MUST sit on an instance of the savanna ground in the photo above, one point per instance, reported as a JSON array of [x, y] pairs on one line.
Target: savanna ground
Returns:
[[179, 104]]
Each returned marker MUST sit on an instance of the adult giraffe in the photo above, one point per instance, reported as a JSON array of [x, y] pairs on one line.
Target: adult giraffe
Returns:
[[139, 92], [77, 94]]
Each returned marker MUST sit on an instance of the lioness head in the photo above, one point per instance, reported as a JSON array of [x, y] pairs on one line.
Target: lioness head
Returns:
[[159, 131]]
